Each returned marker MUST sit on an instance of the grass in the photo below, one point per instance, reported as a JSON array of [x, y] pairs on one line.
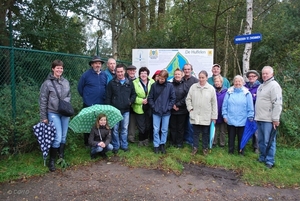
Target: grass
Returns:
[[286, 173]]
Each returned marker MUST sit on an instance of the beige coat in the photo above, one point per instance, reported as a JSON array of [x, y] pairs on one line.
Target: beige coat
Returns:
[[201, 102]]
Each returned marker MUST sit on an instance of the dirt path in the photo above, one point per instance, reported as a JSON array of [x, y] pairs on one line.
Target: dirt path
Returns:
[[113, 181]]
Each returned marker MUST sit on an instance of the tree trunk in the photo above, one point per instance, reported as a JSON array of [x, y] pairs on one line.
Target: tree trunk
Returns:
[[248, 30], [161, 14], [143, 15], [152, 5]]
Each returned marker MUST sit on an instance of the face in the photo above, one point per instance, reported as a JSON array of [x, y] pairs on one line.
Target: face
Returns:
[[156, 77], [216, 70], [120, 72], [177, 75], [202, 79], [187, 70], [143, 75], [238, 83], [111, 65], [266, 74], [57, 71], [131, 72], [161, 80], [102, 121], [97, 66], [252, 77], [218, 83]]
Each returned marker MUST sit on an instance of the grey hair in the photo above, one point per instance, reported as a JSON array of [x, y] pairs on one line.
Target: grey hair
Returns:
[[239, 77]]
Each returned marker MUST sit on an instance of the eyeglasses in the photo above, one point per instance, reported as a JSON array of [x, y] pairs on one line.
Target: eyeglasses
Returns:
[[252, 76]]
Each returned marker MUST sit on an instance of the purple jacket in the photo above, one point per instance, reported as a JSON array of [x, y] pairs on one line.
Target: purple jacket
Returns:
[[220, 97], [253, 89]]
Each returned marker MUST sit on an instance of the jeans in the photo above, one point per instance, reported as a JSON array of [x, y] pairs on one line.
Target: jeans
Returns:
[[61, 124], [96, 149], [120, 140], [264, 131], [205, 135], [189, 132], [164, 120]]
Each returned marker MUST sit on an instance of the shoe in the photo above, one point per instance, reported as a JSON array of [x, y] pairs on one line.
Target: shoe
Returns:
[[179, 146], [103, 155], [131, 140], [146, 142], [115, 151], [269, 166], [205, 152], [125, 149], [93, 156], [162, 148], [156, 150], [256, 151], [141, 143], [259, 161], [195, 150]]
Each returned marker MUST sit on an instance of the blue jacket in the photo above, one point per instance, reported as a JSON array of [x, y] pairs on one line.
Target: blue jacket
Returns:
[[109, 75], [161, 103], [92, 87], [237, 106]]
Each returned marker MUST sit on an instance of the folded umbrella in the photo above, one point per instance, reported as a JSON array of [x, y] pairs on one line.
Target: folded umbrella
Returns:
[[212, 134], [45, 134], [249, 130], [85, 119]]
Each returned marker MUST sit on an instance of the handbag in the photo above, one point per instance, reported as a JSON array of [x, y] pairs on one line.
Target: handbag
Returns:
[[64, 108]]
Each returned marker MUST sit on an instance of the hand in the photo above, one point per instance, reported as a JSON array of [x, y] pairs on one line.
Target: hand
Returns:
[[214, 120], [275, 124], [225, 120], [45, 121]]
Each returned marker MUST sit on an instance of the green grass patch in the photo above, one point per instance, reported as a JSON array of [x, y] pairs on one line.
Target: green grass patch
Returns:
[[286, 173]]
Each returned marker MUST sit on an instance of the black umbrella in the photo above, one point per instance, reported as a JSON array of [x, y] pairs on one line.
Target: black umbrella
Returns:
[[45, 134], [271, 139]]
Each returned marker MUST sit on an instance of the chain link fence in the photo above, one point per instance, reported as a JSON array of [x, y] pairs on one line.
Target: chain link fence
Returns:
[[23, 72]]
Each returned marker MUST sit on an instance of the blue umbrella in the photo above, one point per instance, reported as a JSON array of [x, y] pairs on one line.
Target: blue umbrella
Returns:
[[212, 134], [45, 134], [249, 130]]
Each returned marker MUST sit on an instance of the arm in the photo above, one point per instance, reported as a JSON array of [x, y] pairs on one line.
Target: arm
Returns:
[[188, 100], [108, 93], [225, 107], [172, 96], [250, 108], [92, 142], [81, 85], [43, 100]]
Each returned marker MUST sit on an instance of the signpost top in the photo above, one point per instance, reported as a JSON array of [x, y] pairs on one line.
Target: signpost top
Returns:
[[249, 38]]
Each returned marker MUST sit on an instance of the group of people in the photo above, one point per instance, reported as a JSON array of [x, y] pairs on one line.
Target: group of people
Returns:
[[185, 107]]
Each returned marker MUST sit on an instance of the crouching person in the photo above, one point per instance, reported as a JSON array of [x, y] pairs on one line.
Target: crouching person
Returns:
[[100, 137]]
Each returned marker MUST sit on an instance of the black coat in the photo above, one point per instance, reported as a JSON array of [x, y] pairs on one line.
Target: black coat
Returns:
[[181, 90], [95, 137]]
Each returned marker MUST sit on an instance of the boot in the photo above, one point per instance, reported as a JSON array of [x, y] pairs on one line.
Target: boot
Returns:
[[61, 151], [162, 148], [53, 153], [195, 150], [205, 152], [156, 150]]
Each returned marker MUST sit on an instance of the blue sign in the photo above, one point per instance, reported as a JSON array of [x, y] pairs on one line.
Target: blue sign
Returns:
[[250, 38]]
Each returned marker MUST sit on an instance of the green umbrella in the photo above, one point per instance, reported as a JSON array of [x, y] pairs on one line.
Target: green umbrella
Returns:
[[84, 121]]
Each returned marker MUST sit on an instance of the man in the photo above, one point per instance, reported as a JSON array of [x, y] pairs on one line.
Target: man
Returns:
[[92, 87], [110, 71], [120, 93], [268, 108], [216, 70], [130, 74], [253, 85], [189, 80]]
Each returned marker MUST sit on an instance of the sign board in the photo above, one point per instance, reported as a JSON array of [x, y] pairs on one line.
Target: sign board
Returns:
[[170, 59], [249, 38]]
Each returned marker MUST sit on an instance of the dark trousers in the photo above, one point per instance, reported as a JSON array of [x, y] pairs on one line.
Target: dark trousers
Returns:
[[177, 126], [234, 131], [144, 125], [205, 136]]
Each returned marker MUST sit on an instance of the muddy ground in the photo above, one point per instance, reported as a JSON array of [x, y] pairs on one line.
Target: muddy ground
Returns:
[[110, 180]]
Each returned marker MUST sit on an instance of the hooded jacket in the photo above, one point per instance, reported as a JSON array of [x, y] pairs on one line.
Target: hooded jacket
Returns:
[[237, 106], [48, 98]]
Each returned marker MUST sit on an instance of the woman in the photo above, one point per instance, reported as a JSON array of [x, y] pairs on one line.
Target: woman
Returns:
[[48, 109], [252, 85], [237, 107], [161, 99], [179, 111], [220, 124], [201, 102], [142, 86]]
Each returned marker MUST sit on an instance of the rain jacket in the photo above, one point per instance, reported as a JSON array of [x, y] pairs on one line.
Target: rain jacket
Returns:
[[109, 75], [92, 87], [202, 104], [268, 105], [140, 94], [237, 106], [181, 90], [99, 135], [48, 98], [120, 95], [161, 103]]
